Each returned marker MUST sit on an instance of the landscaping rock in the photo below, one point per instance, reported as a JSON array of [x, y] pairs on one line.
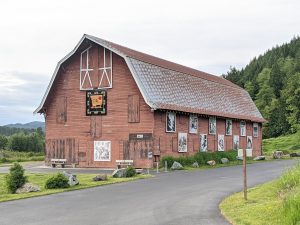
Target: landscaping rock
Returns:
[[100, 177], [224, 160], [239, 158], [71, 177], [277, 154], [195, 165], [28, 187], [118, 173], [176, 166], [260, 157], [211, 162], [295, 154]]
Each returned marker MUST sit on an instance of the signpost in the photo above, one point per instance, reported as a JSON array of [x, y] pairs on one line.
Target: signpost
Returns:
[[245, 173]]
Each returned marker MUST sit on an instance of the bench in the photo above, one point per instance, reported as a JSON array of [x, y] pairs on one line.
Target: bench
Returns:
[[124, 162], [61, 162]]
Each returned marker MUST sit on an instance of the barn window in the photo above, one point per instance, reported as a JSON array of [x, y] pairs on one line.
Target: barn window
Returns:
[[255, 129], [133, 109], [95, 68], [243, 128], [61, 110]]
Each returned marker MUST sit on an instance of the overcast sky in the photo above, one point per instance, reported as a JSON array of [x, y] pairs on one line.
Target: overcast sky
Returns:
[[207, 35]]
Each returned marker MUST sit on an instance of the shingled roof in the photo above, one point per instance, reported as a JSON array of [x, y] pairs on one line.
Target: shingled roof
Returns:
[[170, 86]]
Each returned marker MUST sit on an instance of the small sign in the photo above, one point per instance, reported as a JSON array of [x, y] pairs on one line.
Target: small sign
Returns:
[[96, 102], [150, 155], [140, 136]]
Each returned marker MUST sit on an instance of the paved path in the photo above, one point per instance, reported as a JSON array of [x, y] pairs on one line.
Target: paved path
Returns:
[[182, 197]]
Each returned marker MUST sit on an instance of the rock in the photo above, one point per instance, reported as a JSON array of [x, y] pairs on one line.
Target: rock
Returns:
[[118, 173], [176, 166], [211, 162], [295, 154], [260, 157], [71, 177], [195, 165], [239, 158], [28, 187], [100, 177], [224, 160], [277, 154]]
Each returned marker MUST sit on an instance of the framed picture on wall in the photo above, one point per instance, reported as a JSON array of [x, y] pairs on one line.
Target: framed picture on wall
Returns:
[[193, 124], [221, 142], [236, 142], [249, 142], [255, 129], [170, 122], [182, 142], [243, 128], [102, 150], [203, 142], [228, 127], [212, 125]]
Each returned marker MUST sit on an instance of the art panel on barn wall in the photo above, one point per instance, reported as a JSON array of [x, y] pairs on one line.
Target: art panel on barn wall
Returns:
[[203, 142], [182, 142], [102, 150], [243, 128], [221, 142], [236, 142], [249, 142], [170, 122], [212, 125], [193, 124], [96, 102], [228, 127]]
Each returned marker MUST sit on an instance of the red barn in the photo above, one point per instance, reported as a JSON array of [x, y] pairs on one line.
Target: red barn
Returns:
[[106, 102]]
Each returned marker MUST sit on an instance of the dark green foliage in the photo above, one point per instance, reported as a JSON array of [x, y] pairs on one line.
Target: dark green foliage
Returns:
[[33, 142], [200, 157], [130, 172], [57, 181], [15, 179], [3, 141], [273, 81]]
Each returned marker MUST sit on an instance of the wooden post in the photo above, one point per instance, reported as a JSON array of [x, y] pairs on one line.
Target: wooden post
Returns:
[[245, 173]]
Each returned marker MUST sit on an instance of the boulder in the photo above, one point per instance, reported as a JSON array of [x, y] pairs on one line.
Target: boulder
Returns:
[[277, 154], [176, 166], [71, 177], [295, 154], [100, 177], [28, 187], [195, 165], [260, 157], [118, 173], [239, 158], [224, 160], [211, 162]]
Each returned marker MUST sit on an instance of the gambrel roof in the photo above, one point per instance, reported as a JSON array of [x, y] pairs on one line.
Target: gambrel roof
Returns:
[[170, 86]]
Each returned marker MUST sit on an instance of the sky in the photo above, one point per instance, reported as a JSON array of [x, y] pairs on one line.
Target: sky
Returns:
[[207, 35]]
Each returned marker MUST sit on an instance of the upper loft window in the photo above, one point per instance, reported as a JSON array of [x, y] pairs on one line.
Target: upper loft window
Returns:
[[95, 68]]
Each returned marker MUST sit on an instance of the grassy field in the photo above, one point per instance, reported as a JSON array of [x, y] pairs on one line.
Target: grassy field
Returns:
[[288, 144], [85, 181], [7, 156], [273, 203]]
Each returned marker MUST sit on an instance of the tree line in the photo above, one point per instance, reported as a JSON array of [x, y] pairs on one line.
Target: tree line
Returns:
[[273, 82], [24, 141]]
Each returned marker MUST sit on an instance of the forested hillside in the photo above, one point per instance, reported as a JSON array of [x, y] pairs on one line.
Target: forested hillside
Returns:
[[273, 82]]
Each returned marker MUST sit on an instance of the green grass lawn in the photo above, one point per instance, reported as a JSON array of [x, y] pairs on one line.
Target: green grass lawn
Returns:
[[288, 144], [85, 181], [273, 203]]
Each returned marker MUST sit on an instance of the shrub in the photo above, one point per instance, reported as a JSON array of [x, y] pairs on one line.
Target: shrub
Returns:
[[15, 179], [130, 172], [169, 159], [57, 181], [3, 160]]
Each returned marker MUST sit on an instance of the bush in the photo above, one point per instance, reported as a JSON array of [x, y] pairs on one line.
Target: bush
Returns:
[[130, 172], [200, 157], [15, 179], [57, 181]]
